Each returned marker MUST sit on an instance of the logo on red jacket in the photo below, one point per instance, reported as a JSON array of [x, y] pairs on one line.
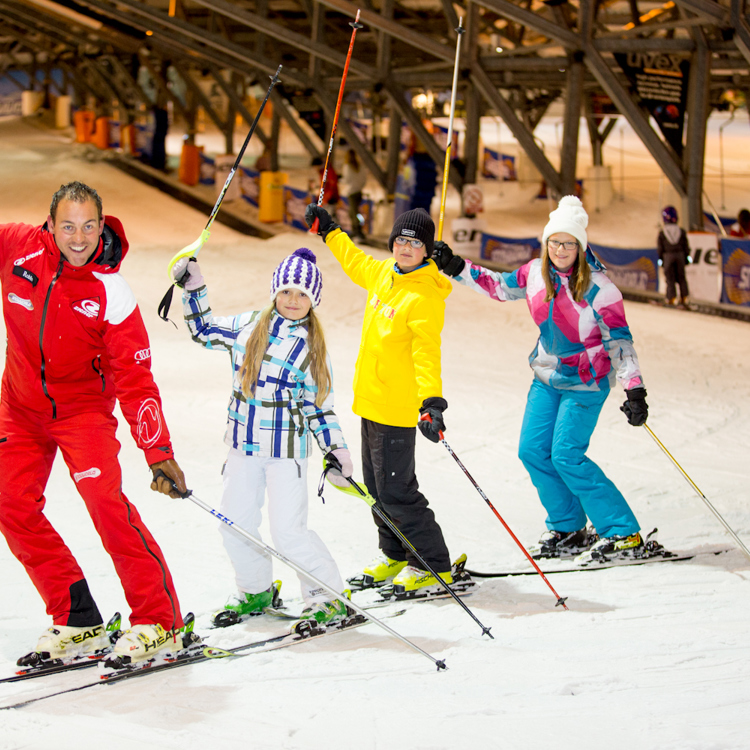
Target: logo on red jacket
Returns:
[[88, 307], [149, 423]]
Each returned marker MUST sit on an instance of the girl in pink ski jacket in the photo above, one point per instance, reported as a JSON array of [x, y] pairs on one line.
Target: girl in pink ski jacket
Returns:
[[584, 346]]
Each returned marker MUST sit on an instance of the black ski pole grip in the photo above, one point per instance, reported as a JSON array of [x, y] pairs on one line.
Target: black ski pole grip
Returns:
[[159, 473]]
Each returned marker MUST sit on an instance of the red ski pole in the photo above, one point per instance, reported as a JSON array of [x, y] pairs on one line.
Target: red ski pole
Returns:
[[560, 600], [355, 25]]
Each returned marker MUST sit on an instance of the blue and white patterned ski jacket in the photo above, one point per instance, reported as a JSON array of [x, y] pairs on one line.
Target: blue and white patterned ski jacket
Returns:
[[279, 419]]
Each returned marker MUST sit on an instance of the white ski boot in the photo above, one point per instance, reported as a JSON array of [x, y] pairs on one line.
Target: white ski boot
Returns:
[[67, 642], [143, 642]]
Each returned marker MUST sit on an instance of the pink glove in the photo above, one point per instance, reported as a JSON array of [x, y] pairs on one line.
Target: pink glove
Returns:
[[336, 477], [194, 278]]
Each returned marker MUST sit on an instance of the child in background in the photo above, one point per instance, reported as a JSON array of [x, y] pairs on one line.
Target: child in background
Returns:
[[584, 345], [674, 254], [282, 394]]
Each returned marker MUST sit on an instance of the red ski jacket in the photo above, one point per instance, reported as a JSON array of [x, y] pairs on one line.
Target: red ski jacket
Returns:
[[76, 339]]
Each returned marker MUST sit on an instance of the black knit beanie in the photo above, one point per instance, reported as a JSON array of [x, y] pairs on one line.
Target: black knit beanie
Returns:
[[416, 223]]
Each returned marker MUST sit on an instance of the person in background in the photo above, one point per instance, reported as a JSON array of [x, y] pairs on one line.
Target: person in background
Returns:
[[674, 255], [355, 177], [583, 347], [741, 227], [77, 342]]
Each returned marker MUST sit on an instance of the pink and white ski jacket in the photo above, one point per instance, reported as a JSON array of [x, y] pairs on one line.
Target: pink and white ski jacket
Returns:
[[582, 346]]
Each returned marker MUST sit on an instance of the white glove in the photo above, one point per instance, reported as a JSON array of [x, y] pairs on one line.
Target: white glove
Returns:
[[194, 278], [336, 477]]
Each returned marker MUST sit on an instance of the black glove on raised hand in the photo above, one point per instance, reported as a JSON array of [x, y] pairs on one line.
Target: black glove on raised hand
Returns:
[[447, 262], [432, 427], [326, 223], [636, 408]]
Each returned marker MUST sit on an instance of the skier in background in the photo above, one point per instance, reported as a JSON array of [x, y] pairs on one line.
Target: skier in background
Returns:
[[282, 396], [397, 379], [674, 254], [584, 345], [76, 341]]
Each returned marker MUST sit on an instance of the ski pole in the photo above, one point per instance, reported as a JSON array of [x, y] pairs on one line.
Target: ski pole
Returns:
[[370, 500], [560, 600], [718, 515], [192, 250], [271, 551], [449, 143], [355, 25]]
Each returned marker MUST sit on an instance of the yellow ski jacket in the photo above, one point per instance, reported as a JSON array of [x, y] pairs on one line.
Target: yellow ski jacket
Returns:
[[398, 366]]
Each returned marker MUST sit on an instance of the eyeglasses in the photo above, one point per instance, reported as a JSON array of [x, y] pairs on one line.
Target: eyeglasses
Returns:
[[416, 244], [555, 244]]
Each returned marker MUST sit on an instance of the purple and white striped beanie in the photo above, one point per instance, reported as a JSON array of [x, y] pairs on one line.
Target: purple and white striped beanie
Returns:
[[298, 271]]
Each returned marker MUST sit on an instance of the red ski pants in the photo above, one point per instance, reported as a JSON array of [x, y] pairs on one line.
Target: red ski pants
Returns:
[[28, 444]]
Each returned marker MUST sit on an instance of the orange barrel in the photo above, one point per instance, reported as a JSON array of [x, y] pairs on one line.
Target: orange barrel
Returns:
[[100, 137], [83, 120], [190, 164]]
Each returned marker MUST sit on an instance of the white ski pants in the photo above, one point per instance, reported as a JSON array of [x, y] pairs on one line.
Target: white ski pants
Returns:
[[246, 479]]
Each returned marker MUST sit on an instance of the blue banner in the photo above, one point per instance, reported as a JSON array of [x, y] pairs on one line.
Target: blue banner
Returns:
[[630, 269], [497, 166], [250, 185], [509, 252], [295, 203], [735, 265], [208, 170]]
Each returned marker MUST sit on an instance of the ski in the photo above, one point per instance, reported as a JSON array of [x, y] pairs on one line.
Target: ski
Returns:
[[199, 652], [669, 557]]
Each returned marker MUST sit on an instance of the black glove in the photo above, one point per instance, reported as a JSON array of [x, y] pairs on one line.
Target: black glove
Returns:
[[447, 262], [636, 408], [432, 427], [326, 223]]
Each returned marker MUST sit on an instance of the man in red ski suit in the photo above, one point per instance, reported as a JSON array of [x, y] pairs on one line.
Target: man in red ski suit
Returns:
[[76, 342]]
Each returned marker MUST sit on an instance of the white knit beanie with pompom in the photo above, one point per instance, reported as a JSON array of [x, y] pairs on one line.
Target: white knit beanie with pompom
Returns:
[[570, 216]]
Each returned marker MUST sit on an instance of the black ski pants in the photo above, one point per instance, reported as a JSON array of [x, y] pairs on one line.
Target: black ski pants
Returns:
[[389, 472], [674, 273]]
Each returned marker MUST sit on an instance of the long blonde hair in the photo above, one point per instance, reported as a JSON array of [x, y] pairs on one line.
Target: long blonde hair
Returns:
[[257, 344], [579, 278]]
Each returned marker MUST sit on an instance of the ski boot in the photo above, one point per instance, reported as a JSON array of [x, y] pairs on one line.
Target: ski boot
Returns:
[[323, 616], [64, 644], [143, 644], [553, 544], [415, 583], [614, 547], [379, 572], [243, 606]]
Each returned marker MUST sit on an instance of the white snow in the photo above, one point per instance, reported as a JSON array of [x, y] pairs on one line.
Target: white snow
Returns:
[[650, 657]]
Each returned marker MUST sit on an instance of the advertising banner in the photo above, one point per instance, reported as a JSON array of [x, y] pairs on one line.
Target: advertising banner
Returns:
[[250, 185], [295, 203], [630, 269], [497, 166], [660, 80], [10, 95], [735, 258], [208, 170], [509, 252], [466, 237], [703, 275]]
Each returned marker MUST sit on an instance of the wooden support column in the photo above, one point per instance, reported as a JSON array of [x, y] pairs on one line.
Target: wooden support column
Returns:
[[394, 151], [274, 139], [571, 123], [697, 111]]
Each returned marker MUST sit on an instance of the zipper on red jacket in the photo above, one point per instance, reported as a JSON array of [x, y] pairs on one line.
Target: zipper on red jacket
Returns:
[[96, 365], [41, 334]]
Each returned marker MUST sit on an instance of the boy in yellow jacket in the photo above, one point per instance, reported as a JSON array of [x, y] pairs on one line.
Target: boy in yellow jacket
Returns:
[[397, 379]]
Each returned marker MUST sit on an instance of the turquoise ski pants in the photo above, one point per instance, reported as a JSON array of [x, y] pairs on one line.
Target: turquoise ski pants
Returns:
[[555, 436]]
